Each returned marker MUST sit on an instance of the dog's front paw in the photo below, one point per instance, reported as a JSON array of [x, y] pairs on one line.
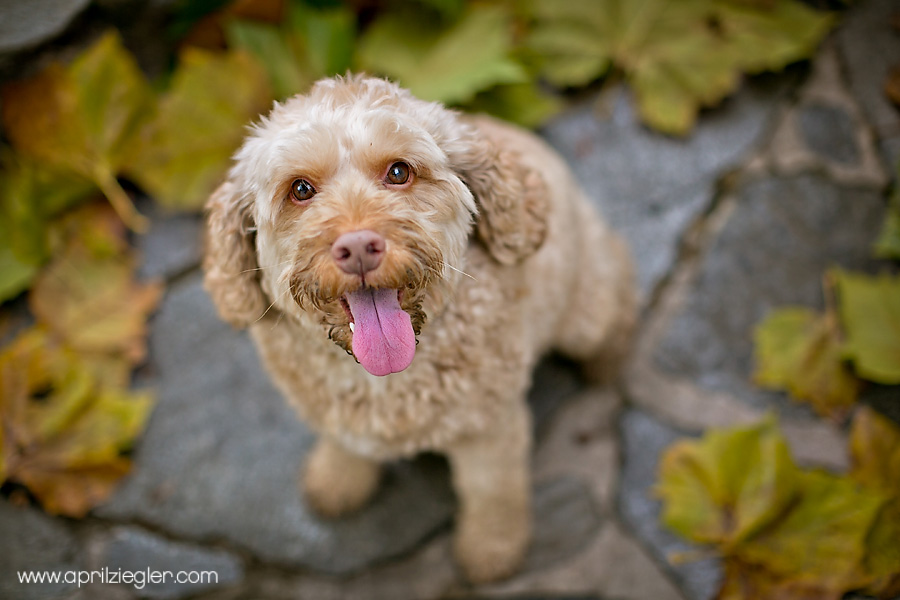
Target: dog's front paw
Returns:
[[491, 545], [337, 482]]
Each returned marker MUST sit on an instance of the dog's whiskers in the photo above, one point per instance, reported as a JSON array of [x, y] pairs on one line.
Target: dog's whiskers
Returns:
[[275, 301], [449, 266], [287, 262]]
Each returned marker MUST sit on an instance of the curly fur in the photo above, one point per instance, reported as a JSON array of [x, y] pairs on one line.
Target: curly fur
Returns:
[[499, 258]]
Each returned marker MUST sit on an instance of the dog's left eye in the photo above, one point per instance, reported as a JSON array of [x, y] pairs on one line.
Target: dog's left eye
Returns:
[[398, 174], [302, 190]]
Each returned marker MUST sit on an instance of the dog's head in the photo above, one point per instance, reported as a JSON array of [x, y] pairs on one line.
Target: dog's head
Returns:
[[351, 207]]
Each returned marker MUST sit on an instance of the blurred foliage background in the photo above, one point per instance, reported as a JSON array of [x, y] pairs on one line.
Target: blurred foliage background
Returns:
[[84, 134]]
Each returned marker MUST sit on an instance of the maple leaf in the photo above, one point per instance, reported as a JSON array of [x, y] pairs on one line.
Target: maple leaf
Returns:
[[82, 118], [821, 541], [448, 64], [87, 294], [185, 152], [310, 44], [62, 435], [870, 314], [30, 196], [875, 450], [799, 350], [783, 532], [888, 243], [728, 485], [523, 103], [678, 57]]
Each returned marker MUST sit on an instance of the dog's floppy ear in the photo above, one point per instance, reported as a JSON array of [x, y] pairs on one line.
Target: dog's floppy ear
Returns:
[[511, 198], [231, 274]]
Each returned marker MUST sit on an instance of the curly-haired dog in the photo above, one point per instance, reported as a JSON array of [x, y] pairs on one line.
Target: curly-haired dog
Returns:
[[364, 233]]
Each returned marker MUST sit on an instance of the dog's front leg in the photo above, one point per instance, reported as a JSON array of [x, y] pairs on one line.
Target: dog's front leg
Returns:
[[491, 476], [337, 481]]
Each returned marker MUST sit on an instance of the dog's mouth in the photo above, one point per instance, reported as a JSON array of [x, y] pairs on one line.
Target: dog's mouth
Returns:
[[384, 341]]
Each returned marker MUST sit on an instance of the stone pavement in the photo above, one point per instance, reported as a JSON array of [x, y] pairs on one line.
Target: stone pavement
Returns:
[[785, 179]]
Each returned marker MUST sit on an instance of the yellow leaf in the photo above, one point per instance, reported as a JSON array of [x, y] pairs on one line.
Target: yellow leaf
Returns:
[[870, 314], [799, 350], [726, 486], [821, 540], [185, 153], [744, 581], [62, 434], [448, 64], [87, 294], [678, 56], [875, 450], [83, 118]]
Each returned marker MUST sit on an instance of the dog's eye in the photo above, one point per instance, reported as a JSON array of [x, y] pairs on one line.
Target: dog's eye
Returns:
[[398, 174], [302, 190]]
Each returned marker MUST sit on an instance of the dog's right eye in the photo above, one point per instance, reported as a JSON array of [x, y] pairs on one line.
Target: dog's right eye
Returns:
[[302, 190]]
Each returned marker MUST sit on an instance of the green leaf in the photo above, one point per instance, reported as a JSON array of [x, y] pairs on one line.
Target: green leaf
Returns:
[[870, 314], [87, 294], [522, 103], [799, 350], [328, 37], [83, 119], [450, 64], [186, 151], [679, 57], [63, 435], [728, 485], [875, 451], [15, 275], [821, 540], [287, 74], [311, 44], [888, 244]]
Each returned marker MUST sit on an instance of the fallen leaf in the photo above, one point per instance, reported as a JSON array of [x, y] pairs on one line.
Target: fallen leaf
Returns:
[[821, 540], [445, 63], [888, 243], [31, 195], [799, 351], [678, 57], [875, 451], [522, 103], [870, 315], [746, 581], [62, 434], [87, 294], [727, 486], [311, 43], [185, 152], [83, 118], [883, 558]]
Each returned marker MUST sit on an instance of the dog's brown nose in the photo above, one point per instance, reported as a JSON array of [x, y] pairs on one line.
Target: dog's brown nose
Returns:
[[358, 252]]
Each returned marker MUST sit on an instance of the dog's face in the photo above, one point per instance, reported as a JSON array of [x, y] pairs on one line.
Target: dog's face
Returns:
[[350, 209]]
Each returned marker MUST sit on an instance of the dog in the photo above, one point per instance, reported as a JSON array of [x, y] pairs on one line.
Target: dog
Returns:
[[401, 267]]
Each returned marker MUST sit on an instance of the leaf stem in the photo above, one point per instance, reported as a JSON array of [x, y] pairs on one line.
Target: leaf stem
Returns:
[[119, 200]]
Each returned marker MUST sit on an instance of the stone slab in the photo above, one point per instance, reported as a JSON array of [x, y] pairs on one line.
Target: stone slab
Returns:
[[778, 239], [221, 456], [27, 24], [650, 186], [643, 440], [134, 550], [172, 245], [870, 47], [32, 541]]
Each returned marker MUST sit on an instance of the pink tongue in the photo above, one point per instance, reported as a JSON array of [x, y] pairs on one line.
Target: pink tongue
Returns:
[[383, 337]]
